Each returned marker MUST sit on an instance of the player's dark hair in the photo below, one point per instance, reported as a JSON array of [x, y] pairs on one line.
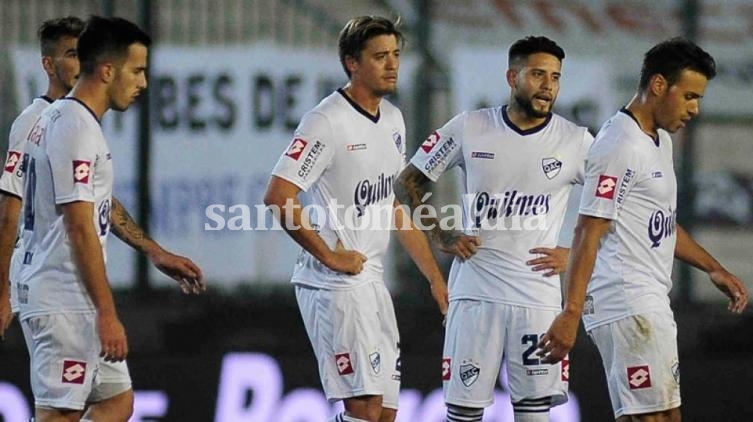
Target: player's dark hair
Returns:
[[52, 30], [107, 39], [358, 31], [523, 48], [669, 58]]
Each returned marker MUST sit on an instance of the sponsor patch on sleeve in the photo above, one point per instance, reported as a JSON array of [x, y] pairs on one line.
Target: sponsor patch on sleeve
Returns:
[[14, 157], [296, 148], [81, 171], [605, 187]]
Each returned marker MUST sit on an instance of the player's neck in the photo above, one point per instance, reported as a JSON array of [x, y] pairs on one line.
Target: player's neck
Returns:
[[364, 98], [91, 94], [641, 109], [520, 117], [55, 91]]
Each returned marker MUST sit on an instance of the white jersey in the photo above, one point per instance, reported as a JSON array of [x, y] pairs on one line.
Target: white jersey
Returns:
[[630, 179], [68, 161], [516, 185], [349, 160], [12, 178]]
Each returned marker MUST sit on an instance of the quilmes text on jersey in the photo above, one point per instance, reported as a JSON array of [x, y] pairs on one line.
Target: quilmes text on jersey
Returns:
[[511, 210]]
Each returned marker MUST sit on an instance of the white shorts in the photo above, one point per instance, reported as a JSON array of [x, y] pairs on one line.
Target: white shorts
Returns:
[[355, 339], [640, 359], [66, 370], [478, 335]]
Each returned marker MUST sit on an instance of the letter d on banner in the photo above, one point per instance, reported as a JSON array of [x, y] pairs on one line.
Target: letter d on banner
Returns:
[[242, 372]]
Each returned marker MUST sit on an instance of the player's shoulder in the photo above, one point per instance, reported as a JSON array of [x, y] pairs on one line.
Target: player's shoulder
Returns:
[[566, 124], [620, 135], [29, 115]]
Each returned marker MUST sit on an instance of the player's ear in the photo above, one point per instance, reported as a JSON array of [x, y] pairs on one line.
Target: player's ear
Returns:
[[48, 65], [106, 72], [658, 84], [512, 77], [351, 63]]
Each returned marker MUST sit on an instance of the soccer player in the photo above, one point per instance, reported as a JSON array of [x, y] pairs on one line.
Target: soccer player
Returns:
[[627, 235], [57, 38], [346, 154], [76, 342], [520, 162]]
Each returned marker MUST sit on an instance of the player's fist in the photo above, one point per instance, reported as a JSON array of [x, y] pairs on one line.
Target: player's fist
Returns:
[[345, 261]]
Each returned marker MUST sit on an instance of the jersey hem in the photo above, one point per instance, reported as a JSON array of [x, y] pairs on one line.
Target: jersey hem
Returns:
[[605, 321], [507, 302], [632, 410], [29, 314]]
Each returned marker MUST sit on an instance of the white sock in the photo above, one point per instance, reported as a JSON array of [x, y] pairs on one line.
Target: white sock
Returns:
[[342, 417]]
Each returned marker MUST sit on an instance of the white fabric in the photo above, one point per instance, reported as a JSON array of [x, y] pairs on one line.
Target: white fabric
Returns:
[[478, 334], [630, 179], [516, 186], [640, 360], [68, 161], [66, 369], [12, 181], [355, 338], [344, 158]]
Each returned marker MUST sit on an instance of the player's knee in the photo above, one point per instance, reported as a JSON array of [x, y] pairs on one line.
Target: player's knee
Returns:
[[464, 414], [532, 410], [367, 408]]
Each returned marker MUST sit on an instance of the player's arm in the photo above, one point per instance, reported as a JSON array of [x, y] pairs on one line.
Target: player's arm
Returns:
[[417, 245], [411, 189], [689, 251], [179, 268], [10, 207], [88, 258], [282, 198], [560, 337]]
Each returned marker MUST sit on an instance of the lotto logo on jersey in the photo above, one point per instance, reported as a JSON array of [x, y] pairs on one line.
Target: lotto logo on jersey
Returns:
[[74, 372], [296, 148], [639, 377], [446, 369], [429, 143], [605, 188], [344, 364], [13, 158], [81, 170]]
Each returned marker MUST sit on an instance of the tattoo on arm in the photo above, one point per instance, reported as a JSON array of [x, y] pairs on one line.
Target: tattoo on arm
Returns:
[[410, 189], [126, 229]]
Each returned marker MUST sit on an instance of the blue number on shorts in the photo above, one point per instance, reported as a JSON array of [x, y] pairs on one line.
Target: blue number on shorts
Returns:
[[533, 340], [28, 165]]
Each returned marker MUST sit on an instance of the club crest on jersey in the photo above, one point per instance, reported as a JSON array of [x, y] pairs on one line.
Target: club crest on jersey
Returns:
[[605, 187], [376, 362], [551, 167], [446, 369], [74, 372], [469, 373], [13, 158], [81, 171], [344, 364], [296, 148], [639, 377], [398, 138], [429, 143]]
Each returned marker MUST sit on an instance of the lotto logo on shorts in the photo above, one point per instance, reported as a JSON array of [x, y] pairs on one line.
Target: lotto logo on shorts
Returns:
[[12, 161], [74, 372], [566, 369], [429, 143], [344, 364], [639, 377], [81, 170], [446, 369], [296, 148], [605, 188]]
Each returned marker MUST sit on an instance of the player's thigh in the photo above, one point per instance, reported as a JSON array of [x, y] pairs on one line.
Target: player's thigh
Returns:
[[473, 349], [528, 377], [64, 355], [640, 359]]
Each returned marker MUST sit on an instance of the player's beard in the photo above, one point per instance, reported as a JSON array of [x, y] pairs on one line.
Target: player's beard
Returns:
[[527, 105]]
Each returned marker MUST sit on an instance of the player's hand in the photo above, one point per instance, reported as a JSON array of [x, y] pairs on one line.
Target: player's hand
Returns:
[[439, 292], [6, 316], [559, 339], [346, 261], [460, 245], [732, 287], [554, 260], [181, 269], [112, 338]]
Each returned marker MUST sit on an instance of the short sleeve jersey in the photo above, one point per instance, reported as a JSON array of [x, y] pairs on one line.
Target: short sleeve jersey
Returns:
[[347, 161], [516, 186], [12, 178], [68, 161], [630, 180]]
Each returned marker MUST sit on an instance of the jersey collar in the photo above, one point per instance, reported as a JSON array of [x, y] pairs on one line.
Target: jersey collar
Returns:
[[520, 131], [360, 109], [83, 105], [632, 116]]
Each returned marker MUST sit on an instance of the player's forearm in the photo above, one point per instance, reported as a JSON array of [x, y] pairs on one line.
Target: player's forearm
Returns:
[[89, 260], [127, 230], [580, 268], [411, 188], [690, 252], [10, 207], [417, 245]]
